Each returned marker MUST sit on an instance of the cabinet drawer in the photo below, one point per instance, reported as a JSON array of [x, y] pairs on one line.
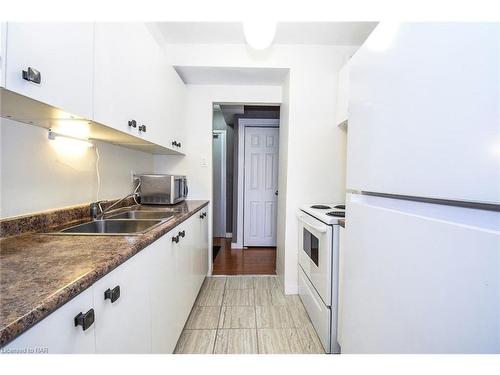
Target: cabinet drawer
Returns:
[[316, 309]]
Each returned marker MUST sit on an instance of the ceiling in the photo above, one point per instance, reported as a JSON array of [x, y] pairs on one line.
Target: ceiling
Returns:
[[326, 33], [213, 75]]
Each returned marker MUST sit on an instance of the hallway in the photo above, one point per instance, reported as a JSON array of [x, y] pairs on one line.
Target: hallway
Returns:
[[250, 261]]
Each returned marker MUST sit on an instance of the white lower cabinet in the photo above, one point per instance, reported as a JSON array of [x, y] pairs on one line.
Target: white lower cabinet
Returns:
[[122, 307], [57, 333], [164, 291], [176, 278], [139, 307]]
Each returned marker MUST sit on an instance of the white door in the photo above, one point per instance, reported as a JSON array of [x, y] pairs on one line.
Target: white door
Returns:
[[261, 186], [219, 185]]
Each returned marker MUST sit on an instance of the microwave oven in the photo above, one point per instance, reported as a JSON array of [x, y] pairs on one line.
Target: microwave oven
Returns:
[[162, 189]]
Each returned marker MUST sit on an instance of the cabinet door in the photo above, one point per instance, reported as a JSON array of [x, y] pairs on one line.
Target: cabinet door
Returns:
[[167, 318], [57, 334], [342, 110], [3, 46], [174, 105], [203, 246], [121, 75], [124, 326], [62, 53]]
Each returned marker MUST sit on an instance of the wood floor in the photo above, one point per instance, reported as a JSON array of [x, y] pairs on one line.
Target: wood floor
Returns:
[[250, 261]]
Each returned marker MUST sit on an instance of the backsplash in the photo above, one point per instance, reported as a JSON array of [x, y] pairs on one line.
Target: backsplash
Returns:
[[39, 176], [46, 221]]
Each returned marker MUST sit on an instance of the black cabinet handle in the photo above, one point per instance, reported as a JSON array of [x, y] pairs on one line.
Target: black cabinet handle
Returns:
[[132, 123], [112, 294], [179, 144], [182, 234], [201, 216], [175, 239], [85, 320], [142, 128], [32, 75], [204, 214], [176, 144]]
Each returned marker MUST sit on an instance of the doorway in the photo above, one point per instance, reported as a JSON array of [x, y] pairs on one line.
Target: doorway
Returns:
[[245, 144]]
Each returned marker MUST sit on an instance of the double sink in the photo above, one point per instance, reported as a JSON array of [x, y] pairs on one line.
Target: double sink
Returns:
[[133, 222]]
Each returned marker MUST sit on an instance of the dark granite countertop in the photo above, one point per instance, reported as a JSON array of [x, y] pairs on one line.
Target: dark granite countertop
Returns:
[[41, 272]]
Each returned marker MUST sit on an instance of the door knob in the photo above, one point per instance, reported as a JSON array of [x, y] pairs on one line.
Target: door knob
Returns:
[[85, 320], [132, 123], [32, 75], [142, 128], [182, 234], [175, 239], [112, 294]]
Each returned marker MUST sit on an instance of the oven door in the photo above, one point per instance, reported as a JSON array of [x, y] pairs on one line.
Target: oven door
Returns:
[[315, 254]]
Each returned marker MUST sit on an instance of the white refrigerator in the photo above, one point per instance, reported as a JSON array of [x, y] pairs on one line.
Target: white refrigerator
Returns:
[[420, 261]]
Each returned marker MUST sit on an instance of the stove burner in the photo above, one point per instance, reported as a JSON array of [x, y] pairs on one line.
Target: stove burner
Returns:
[[336, 213], [321, 207], [341, 206]]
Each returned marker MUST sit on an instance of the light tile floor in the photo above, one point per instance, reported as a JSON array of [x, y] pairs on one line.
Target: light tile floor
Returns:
[[247, 315]]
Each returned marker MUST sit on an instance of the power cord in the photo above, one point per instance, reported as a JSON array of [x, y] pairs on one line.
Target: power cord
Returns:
[[97, 172]]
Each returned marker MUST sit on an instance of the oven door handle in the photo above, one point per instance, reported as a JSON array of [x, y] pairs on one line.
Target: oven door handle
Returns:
[[304, 222]]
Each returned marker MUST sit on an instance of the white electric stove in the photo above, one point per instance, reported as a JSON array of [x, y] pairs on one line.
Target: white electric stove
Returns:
[[318, 268]]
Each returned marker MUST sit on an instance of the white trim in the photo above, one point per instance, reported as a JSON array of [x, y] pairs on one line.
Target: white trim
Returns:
[[222, 134], [229, 235], [242, 123]]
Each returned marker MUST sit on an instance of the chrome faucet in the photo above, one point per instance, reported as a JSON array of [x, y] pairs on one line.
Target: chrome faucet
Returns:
[[97, 212], [96, 209]]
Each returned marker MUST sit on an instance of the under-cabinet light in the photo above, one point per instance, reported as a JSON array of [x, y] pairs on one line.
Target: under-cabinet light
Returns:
[[53, 135]]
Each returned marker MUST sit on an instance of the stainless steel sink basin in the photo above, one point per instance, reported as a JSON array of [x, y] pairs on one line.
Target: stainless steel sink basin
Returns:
[[142, 215], [112, 227]]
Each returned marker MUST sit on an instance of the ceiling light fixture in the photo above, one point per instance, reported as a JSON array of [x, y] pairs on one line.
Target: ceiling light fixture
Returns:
[[259, 34]]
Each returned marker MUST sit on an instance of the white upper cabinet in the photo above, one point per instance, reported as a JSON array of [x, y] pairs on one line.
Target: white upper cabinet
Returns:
[[424, 112], [134, 85], [342, 109], [3, 46], [62, 54], [124, 53]]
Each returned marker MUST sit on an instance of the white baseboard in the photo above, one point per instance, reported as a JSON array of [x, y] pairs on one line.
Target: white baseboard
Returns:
[[229, 235], [236, 245]]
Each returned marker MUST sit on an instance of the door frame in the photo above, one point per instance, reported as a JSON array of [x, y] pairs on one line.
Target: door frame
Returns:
[[222, 134], [242, 123]]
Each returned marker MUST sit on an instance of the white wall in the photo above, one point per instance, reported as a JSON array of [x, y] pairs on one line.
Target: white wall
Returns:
[[37, 175], [315, 146], [198, 143]]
